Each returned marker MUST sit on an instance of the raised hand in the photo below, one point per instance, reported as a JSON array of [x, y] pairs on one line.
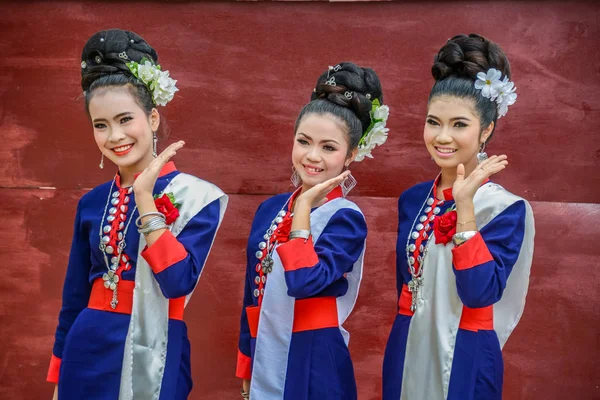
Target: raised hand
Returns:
[[315, 196], [145, 182], [464, 189]]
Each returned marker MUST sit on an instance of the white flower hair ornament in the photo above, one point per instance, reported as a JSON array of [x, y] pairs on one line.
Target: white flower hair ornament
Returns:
[[376, 134], [502, 91], [159, 83]]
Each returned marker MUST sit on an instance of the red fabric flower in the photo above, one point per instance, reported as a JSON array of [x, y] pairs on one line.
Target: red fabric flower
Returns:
[[165, 206], [444, 227]]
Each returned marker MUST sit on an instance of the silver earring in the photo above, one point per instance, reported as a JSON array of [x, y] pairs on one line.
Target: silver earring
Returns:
[[482, 155], [155, 139], [102, 162], [295, 178], [348, 184]]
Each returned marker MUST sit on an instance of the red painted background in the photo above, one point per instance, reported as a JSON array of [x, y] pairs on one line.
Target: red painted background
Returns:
[[244, 71]]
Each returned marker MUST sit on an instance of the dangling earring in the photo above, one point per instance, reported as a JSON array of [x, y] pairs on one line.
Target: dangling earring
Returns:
[[348, 184], [482, 155], [155, 139], [102, 162], [295, 178]]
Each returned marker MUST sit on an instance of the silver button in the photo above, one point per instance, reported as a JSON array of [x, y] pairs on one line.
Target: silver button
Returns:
[[427, 210], [256, 293], [106, 229], [419, 227], [423, 218], [429, 201], [415, 235], [436, 210], [259, 254], [262, 245], [112, 211]]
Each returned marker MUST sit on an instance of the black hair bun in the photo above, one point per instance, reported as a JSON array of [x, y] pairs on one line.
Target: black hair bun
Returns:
[[350, 86], [107, 53], [464, 56]]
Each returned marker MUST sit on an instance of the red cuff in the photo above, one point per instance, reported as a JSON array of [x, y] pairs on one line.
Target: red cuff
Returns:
[[297, 254], [54, 369], [243, 369], [470, 254], [165, 252]]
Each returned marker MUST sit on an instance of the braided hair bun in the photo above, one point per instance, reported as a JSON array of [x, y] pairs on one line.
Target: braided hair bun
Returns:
[[107, 53], [347, 92], [465, 56]]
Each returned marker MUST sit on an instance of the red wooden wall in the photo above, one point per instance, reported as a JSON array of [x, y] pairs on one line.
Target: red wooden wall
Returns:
[[244, 71]]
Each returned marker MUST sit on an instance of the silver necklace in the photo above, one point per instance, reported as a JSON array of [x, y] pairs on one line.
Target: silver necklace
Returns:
[[110, 278], [266, 257], [417, 281]]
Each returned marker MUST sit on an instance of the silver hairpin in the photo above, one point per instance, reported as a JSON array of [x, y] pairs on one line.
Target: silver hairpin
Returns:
[[368, 96], [348, 95], [331, 81], [97, 59], [123, 55], [335, 69], [315, 90], [102, 39], [83, 64], [131, 41]]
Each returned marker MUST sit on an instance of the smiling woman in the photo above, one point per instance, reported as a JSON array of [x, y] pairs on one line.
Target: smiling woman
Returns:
[[465, 244], [121, 332], [305, 250]]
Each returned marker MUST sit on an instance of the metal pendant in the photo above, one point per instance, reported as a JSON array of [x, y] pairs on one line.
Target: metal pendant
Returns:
[[110, 280], [267, 264], [413, 287]]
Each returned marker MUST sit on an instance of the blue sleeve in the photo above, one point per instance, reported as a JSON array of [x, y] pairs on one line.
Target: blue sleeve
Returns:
[[400, 249], [483, 264], [312, 268], [177, 262], [77, 287]]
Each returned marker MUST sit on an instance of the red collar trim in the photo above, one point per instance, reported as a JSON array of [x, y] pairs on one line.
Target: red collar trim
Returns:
[[167, 169], [447, 193]]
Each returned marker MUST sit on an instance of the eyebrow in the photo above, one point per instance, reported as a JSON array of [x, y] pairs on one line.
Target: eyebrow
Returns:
[[115, 117], [322, 141], [451, 119]]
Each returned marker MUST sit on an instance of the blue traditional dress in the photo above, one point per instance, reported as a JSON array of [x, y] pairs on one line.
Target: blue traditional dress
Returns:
[[121, 333], [292, 345], [466, 300]]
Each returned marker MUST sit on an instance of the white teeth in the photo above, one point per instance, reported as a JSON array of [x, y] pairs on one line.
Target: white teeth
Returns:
[[445, 150], [313, 169], [119, 149]]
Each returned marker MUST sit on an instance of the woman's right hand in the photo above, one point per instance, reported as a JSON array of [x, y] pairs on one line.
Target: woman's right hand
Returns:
[[55, 396]]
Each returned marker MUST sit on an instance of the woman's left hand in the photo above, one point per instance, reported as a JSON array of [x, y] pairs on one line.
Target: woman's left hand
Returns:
[[464, 189], [315, 196], [144, 184]]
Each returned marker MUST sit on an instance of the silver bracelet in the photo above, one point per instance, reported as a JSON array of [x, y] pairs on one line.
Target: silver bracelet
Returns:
[[300, 234], [461, 237], [154, 224], [138, 221], [245, 395]]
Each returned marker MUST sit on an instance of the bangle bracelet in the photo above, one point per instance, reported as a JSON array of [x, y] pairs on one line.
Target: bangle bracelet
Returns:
[[300, 234], [461, 237], [152, 225], [464, 223], [245, 395], [138, 222]]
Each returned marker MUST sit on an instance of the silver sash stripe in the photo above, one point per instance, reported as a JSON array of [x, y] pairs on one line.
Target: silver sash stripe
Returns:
[[434, 326], [277, 313], [146, 344]]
